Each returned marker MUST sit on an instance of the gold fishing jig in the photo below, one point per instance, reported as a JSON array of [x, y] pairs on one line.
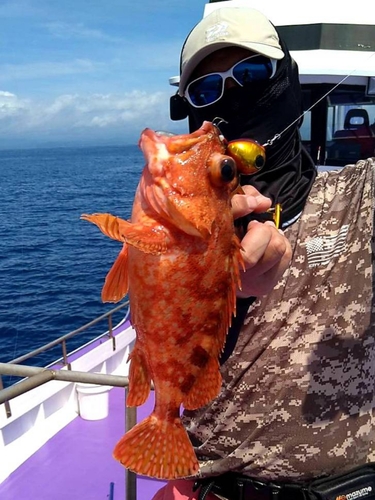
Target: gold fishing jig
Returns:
[[249, 155]]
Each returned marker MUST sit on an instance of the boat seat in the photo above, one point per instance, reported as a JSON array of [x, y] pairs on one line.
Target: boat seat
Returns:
[[356, 140], [356, 120]]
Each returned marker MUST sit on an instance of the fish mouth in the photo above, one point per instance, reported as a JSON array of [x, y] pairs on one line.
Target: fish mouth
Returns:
[[205, 128], [164, 133]]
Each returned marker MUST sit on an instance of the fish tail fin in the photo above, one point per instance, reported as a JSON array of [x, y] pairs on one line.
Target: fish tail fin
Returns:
[[139, 378], [117, 281], [157, 448], [206, 387]]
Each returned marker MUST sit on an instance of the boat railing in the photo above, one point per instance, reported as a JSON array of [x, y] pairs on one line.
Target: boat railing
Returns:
[[37, 376], [64, 338], [33, 376]]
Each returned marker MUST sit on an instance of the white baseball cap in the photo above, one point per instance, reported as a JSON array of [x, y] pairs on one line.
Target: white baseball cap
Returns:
[[227, 27]]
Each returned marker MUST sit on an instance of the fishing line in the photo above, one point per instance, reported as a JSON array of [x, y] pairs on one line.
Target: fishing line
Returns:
[[277, 136]]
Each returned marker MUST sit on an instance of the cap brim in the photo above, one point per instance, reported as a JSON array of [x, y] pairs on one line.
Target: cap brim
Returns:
[[259, 48]]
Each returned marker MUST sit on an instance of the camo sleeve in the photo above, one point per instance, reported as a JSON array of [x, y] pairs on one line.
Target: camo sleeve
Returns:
[[297, 399]]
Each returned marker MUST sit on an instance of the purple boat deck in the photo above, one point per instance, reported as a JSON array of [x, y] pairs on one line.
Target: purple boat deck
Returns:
[[77, 463]]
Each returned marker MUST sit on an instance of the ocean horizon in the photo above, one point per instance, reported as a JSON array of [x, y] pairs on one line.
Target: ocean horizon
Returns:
[[53, 264], [27, 146]]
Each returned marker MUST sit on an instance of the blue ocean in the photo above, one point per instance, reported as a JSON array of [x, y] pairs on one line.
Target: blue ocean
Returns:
[[52, 264]]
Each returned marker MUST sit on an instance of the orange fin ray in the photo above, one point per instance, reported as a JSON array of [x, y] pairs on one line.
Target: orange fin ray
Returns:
[[237, 263], [117, 280], [107, 223], [157, 448], [206, 387], [148, 239], [139, 378], [233, 263]]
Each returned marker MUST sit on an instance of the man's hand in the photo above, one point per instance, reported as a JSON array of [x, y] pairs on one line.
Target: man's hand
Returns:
[[266, 251]]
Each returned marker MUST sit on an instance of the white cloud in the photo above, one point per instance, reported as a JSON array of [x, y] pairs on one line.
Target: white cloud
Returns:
[[87, 117], [10, 105], [99, 110]]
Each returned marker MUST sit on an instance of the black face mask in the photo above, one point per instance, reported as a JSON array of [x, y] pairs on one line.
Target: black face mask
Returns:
[[259, 111], [235, 107]]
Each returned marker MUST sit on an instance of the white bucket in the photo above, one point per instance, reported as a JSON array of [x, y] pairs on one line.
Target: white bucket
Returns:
[[93, 401]]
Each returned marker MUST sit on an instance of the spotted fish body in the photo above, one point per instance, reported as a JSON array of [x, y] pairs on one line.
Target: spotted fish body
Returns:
[[180, 265]]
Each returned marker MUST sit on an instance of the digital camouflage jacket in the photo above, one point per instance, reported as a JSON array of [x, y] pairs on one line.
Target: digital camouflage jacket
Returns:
[[297, 399]]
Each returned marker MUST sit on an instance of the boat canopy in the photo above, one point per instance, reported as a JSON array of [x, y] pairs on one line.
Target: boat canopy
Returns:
[[334, 48]]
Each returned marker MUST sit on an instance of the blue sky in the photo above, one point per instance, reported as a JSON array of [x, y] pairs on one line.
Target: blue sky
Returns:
[[89, 71]]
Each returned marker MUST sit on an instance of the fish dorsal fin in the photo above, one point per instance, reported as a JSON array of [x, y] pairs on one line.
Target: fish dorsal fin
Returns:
[[234, 263]]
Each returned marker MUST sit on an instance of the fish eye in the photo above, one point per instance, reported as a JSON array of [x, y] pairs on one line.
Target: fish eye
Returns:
[[228, 169], [222, 170]]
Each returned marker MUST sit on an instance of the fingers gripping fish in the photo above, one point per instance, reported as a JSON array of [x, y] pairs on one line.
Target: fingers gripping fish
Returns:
[[180, 265]]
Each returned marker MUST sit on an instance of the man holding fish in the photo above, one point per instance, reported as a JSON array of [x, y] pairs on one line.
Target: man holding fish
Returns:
[[263, 331], [183, 265], [296, 401]]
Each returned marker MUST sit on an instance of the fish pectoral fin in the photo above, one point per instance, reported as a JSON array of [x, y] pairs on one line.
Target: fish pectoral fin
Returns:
[[206, 387], [117, 280], [157, 448], [107, 223], [148, 239], [139, 378]]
